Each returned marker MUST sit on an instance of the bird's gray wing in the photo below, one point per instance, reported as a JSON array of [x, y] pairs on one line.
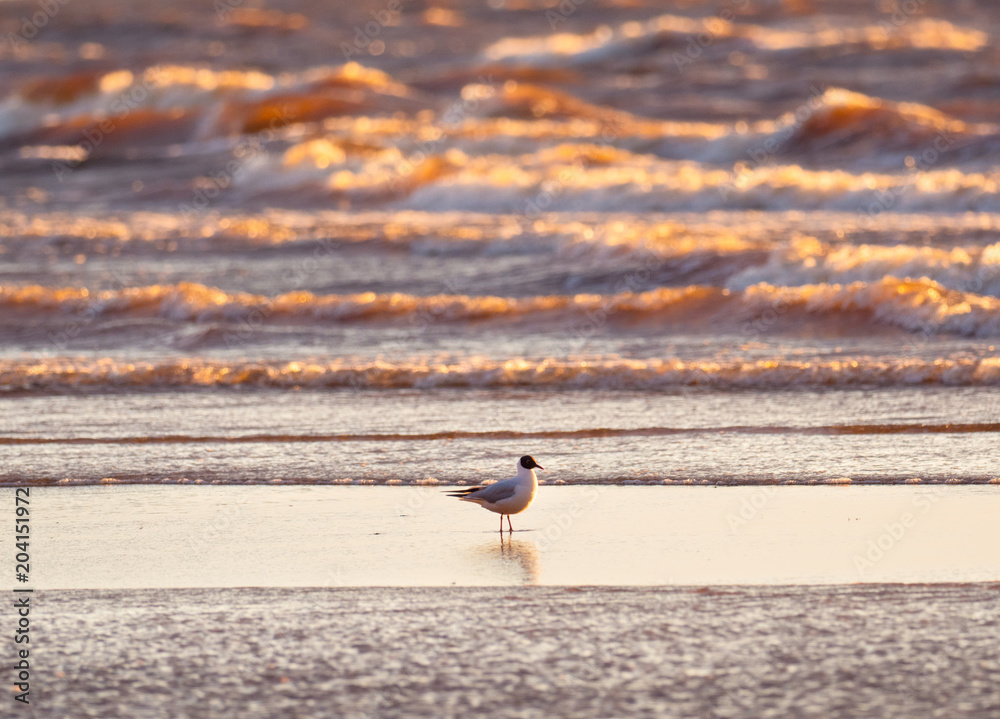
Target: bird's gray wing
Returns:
[[496, 492]]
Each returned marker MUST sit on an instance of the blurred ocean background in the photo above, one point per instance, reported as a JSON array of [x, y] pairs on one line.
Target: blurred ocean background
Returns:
[[407, 241]]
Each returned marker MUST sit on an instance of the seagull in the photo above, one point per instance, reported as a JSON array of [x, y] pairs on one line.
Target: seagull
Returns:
[[508, 497]]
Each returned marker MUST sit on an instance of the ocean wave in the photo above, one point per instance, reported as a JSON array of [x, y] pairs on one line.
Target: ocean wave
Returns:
[[194, 302], [501, 146], [115, 375], [731, 251], [507, 435], [507, 147], [785, 239], [919, 305], [670, 35], [762, 172], [169, 104], [807, 261], [530, 186], [872, 127], [666, 186]]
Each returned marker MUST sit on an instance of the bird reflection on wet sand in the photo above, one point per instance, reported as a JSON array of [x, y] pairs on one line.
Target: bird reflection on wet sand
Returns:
[[516, 557]]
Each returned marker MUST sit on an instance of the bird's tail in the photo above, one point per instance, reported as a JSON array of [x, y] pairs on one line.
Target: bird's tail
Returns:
[[463, 492]]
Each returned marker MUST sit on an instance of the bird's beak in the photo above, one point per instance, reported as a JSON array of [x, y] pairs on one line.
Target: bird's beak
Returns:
[[538, 466]]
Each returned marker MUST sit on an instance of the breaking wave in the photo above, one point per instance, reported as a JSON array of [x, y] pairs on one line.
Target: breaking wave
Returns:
[[167, 104], [920, 306], [610, 161], [112, 375]]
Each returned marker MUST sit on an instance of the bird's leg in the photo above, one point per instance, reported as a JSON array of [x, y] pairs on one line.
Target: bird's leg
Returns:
[[508, 523], [501, 524]]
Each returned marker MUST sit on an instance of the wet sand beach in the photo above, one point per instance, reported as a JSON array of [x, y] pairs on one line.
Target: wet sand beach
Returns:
[[889, 651]]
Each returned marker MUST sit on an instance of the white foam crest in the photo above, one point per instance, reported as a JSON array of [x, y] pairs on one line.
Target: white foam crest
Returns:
[[923, 33], [603, 43], [122, 92], [807, 261], [629, 39], [180, 88], [110, 374], [534, 184], [920, 305], [191, 302]]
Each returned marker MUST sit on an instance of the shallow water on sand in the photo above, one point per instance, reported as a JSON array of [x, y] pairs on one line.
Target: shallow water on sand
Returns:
[[470, 435], [136, 537]]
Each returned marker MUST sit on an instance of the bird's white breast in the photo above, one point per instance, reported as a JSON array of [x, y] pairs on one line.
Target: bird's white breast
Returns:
[[523, 496]]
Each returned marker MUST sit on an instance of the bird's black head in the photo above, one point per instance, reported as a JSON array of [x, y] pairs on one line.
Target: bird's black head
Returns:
[[528, 462]]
